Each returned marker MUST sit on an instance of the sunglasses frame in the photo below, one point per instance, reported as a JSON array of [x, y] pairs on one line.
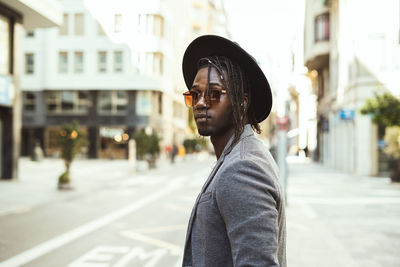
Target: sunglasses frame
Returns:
[[189, 98]]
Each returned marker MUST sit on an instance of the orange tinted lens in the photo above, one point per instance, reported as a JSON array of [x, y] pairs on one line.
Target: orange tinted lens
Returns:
[[188, 100]]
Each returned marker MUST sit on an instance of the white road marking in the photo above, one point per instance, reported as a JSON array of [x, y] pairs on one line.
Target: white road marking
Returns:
[[99, 256], [161, 229], [85, 229], [152, 241], [182, 209], [153, 256]]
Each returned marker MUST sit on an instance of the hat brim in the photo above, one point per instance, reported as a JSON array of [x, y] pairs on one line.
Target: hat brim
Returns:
[[213, 45]]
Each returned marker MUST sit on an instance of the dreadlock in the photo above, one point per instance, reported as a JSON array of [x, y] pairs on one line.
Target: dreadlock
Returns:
[[238, 86]]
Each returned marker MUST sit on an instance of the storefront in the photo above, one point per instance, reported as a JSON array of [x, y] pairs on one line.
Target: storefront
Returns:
[[7, 157], [14, 16]]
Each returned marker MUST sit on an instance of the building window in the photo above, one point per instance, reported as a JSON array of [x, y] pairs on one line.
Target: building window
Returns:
[[113, 102], [151, 24], [64, 25], [160, 103], [117, 23], [102, 61], [321, 30], [62, 62], [118, 61], [100, 30], [78, 62], [28, 100], [30, 34], [29, 63], [158, 26], [79, 24], [4, 45], [158, 61], [76, 102]]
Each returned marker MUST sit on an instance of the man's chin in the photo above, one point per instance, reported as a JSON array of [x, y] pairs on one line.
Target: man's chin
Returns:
[[204, 132]]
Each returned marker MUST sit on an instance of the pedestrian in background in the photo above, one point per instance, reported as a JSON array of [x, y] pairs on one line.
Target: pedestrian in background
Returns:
[[239, 217]]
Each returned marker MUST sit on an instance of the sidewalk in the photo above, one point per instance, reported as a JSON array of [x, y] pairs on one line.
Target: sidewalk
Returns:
[[37, 182], [337, 219]]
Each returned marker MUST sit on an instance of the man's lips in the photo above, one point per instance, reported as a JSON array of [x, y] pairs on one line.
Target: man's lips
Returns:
[[201, 117]]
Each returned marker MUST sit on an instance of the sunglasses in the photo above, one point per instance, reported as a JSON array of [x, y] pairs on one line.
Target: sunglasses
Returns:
[[193, 96]]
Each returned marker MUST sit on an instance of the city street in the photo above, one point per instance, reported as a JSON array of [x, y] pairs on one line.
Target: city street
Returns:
[[116, 219]]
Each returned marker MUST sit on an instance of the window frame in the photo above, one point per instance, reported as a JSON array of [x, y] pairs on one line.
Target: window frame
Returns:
[[114, 101], [29, 66], [101, 66], [78, 66], [62, 66]]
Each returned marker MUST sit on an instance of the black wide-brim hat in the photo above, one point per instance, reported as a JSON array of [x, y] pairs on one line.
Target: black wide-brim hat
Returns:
[[213, 45]]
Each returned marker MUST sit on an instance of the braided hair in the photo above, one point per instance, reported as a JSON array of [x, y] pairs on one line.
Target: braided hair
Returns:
[[238, 86]]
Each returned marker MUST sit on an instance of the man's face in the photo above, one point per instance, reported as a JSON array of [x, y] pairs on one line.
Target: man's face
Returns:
[[213, 118]]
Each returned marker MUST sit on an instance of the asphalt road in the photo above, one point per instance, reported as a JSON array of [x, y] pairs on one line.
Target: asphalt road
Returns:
[[136, 221], [113, 219]]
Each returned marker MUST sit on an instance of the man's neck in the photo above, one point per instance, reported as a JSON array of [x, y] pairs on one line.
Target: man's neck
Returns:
[[219, 142]]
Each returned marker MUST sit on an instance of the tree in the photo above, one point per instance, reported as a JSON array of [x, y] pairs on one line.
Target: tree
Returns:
[[147, 146], [71, 140], [385, 110]]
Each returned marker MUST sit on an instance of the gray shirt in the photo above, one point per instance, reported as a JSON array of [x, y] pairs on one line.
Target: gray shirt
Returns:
[[239, 217]]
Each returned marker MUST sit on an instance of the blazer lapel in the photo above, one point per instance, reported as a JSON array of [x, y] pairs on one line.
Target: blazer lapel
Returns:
[[208, 181]]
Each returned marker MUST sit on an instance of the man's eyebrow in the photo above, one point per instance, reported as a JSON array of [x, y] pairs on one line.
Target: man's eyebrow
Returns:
[[216, 84]]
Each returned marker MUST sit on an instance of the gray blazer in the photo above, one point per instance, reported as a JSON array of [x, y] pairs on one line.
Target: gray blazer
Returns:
[[239, 217]]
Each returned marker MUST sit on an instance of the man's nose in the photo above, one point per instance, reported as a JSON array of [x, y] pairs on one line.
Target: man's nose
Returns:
[[202, 101]]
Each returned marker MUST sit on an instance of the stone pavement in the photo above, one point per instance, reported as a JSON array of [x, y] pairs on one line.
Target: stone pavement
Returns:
[[333, 218], [338, 219]]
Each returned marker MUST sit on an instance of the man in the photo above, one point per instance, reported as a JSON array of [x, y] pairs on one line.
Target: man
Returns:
[[238, 218]]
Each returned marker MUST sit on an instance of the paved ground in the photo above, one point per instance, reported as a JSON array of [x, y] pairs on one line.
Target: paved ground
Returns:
[[333, 219], [336, 219]]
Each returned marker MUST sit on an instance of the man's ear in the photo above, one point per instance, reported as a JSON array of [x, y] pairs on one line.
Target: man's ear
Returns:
[[245, 101]]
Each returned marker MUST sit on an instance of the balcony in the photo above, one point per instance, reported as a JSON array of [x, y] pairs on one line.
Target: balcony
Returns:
[[317, 47]]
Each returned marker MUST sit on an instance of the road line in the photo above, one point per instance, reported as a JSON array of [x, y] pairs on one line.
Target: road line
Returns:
[[161, 229], [152, 241], [52, 244]]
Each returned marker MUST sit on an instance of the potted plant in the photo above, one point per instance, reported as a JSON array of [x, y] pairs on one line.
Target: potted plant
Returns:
[[71, 140], [385, 110]]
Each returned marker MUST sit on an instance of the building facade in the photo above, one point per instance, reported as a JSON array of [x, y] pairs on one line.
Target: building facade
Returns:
[[14, 16], [350, 57], [114, 67]]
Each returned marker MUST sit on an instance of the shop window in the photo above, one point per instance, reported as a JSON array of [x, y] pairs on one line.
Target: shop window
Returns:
[[76, 102], [102, 61], [321, 28], [113, 102], [79, 24], [64, 26], [28, 100], [118, 61], [4, 45], [62, 62], [78, 62], [29, 63]]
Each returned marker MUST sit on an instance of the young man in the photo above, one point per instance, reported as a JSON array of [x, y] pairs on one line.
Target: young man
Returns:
[[238, 218]]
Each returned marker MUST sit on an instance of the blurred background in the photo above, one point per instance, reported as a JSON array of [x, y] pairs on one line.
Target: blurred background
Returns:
[[100, 159]]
